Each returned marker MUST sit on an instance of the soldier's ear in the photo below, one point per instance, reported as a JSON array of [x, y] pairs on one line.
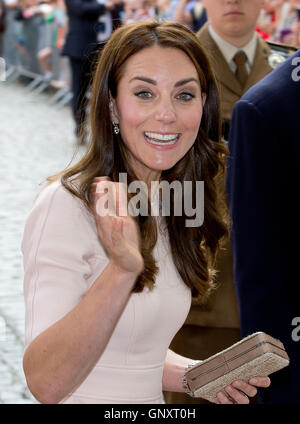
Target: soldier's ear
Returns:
[[113, 109]]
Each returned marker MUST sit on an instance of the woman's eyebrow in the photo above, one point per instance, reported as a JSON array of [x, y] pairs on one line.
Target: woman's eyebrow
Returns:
[[185, 81], [152, 81], [145, 79]]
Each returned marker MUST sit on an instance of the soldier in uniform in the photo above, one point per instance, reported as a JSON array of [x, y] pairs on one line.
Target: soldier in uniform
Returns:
[[238, 55], [240, 58]]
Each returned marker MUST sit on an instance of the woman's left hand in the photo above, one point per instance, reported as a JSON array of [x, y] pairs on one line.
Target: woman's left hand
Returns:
[[239, 391]]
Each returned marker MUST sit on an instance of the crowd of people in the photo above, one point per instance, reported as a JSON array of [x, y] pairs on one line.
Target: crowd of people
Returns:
[[37, 34], [278, 21]]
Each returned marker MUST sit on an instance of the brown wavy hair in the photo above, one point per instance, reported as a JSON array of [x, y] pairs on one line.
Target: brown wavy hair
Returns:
[[193, 248]]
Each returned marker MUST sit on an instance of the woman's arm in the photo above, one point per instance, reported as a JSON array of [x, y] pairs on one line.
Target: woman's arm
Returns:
[[64, 350], [62, 356], [174, 368]]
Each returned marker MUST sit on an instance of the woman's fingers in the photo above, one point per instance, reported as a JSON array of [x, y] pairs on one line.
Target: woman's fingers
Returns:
[[97, 181], [232, 395], [239, 391], [244, 387], [110, 198], [260, 381], [99, 184], [117, 230], [237, 395], [223, 399], [104, 178], [121, 200]]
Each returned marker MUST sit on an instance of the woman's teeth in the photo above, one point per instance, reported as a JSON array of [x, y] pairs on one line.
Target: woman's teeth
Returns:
[[160, 139]]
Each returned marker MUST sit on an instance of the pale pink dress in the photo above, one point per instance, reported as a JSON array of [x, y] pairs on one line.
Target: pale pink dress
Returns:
[[62, 258]]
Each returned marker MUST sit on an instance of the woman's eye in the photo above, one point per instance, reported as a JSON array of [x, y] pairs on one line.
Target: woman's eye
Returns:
[[143, 94], [185, 96]]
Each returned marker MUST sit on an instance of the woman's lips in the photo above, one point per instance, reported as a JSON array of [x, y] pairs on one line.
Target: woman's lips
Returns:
[[233, 14]]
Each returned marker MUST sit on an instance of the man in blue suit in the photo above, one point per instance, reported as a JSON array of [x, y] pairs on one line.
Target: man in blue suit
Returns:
[[80, 46], [263, 189]]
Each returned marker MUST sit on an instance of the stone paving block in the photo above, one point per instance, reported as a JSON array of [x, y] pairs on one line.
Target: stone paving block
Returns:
[[37, 140]]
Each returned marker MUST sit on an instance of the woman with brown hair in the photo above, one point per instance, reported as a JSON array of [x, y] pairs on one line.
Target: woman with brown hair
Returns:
[[107, 290]]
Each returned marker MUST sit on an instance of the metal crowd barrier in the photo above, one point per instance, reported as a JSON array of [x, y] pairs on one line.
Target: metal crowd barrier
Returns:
[[21, 44]]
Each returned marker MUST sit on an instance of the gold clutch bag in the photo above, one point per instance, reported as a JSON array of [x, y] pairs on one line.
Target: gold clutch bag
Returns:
[[256, 355]]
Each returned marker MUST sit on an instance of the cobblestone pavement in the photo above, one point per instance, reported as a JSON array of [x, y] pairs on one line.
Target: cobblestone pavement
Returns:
[[36, 140]]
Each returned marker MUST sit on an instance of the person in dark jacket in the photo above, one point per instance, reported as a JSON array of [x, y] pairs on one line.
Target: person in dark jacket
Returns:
[[81, 46], [263, 186], [2, 20]]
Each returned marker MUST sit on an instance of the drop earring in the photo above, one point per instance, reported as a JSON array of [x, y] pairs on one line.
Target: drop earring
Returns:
[[116, 128]]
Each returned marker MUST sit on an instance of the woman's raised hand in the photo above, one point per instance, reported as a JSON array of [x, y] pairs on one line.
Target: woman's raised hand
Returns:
[[117, 230]]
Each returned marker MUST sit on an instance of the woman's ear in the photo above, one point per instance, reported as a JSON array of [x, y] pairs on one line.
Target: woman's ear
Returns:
[[113, 109], [203, 99]]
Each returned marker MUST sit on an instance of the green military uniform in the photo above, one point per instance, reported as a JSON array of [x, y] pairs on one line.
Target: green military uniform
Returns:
[[215, 326], [230, 89]]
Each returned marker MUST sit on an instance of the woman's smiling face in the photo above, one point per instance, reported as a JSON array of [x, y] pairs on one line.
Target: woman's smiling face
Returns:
[[158, 107]]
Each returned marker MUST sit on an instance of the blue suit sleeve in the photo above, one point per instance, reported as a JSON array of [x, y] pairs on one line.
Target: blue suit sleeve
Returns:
[[255, 187]]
